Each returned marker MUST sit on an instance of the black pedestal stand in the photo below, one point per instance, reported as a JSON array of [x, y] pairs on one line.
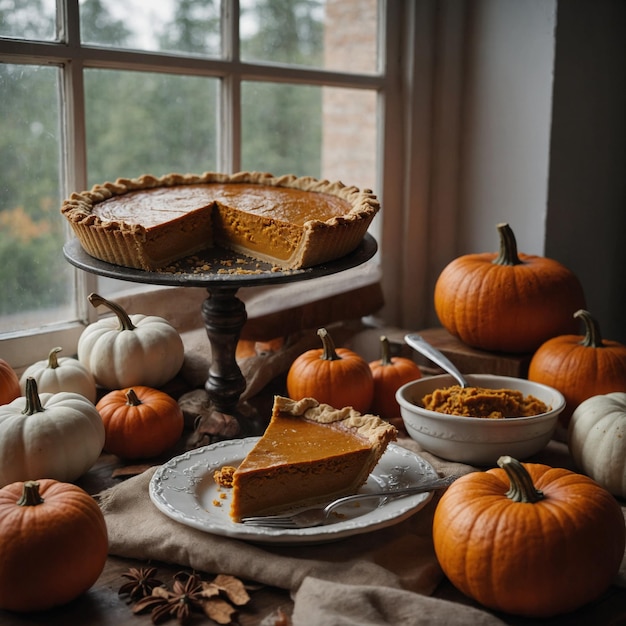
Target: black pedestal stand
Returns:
[[224, 314]]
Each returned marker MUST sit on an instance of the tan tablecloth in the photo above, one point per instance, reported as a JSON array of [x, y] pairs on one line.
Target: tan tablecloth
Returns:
[[382, 577]]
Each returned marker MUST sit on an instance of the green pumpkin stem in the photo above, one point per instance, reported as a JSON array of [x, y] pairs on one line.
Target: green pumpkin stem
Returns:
[[592, 337], [30, 494], [522, 488], [53, 362], [122, 316], [385, 351], [508, 247], [132, 399], [33, 401], [330, 353]]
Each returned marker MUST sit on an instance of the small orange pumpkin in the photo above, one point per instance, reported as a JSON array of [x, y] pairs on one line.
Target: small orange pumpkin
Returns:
[[140, 422], [529, 539], [53, 542], [580, 366], [389, 374], [9, 383], [335, 376], [507, 302]]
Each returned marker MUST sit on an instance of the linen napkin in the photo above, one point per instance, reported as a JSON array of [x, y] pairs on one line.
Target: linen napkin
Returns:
[[320, 602]]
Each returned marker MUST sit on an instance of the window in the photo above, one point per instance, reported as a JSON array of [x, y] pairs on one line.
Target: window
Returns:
[[97, 90]]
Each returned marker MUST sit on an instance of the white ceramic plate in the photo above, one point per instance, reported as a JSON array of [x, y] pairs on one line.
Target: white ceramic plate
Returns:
[[184, 489]]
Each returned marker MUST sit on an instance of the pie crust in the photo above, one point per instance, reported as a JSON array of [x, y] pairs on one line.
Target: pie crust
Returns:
[[310, 453], [292, 222]]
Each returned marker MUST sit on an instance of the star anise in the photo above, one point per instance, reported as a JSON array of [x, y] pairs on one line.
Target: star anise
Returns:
[[187, 596], [141, 582]]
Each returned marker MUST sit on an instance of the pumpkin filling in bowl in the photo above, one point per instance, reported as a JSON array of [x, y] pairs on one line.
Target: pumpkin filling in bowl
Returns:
[[482, 402]]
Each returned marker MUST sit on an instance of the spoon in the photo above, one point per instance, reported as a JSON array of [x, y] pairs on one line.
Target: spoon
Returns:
[[417, 342]]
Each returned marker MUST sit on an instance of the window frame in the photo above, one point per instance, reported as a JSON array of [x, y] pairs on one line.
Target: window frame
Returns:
[[403, 85]]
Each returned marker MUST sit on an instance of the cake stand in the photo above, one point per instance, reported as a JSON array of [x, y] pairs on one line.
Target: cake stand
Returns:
[[222, 273]]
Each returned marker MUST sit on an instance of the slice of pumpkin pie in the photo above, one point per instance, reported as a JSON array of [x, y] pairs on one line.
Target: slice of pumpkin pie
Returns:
[[310, 453]]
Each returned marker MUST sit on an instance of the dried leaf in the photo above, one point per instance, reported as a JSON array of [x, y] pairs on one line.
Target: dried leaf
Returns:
[[233, 588], [209, 590], [219, 610]]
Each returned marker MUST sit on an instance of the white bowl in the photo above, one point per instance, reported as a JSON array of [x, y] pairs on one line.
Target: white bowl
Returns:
[[476, 440]]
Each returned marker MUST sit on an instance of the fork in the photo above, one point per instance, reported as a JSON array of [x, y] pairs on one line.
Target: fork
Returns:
[[319, 516]]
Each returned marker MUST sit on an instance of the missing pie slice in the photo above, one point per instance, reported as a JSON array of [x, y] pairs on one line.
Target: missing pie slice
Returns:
[[310, 453]]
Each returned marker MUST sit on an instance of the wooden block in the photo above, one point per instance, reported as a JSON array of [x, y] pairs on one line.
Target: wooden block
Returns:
[[472, 361]]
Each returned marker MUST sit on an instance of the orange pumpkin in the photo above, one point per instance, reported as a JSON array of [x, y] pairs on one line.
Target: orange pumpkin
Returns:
[[53, 542], [507, 302], [140, 422], [9, 383], [389, 374], [580, 366], [529, 539], [335, 376]]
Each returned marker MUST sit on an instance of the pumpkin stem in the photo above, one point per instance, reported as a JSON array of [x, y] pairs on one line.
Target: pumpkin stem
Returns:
[[385, 352], [329, 354], [122, 316], [33, 401], [53, 362], [592, 338], [522, 488], [132, 399], [508, 247], [30, 494]]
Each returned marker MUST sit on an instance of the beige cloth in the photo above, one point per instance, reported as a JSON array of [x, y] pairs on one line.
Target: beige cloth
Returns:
[[382, 577], [319, 602]]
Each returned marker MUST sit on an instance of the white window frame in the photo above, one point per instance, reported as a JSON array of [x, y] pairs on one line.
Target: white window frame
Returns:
[[406, 131]]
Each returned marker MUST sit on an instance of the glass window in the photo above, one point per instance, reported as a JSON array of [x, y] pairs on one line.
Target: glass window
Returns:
[[329, 34], [100, 108], [281, 128], [190, 27], [310, 131], [35, 282], [350, 136], [149, 123], [28, 19]]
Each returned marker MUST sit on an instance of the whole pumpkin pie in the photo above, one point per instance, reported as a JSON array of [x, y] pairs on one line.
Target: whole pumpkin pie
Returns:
[[309, 453], [291, 222]]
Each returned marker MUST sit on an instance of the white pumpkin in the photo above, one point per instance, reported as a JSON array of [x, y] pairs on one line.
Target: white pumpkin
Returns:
[[126, 351], [597, 440], [57, 436], [57, 374]]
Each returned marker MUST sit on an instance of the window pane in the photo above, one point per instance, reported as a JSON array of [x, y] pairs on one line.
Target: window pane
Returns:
[[177, 26], [331, 34], [281, 128], [28, 19], [310, 131], [349, 137], [36, 281], [145, 123]]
